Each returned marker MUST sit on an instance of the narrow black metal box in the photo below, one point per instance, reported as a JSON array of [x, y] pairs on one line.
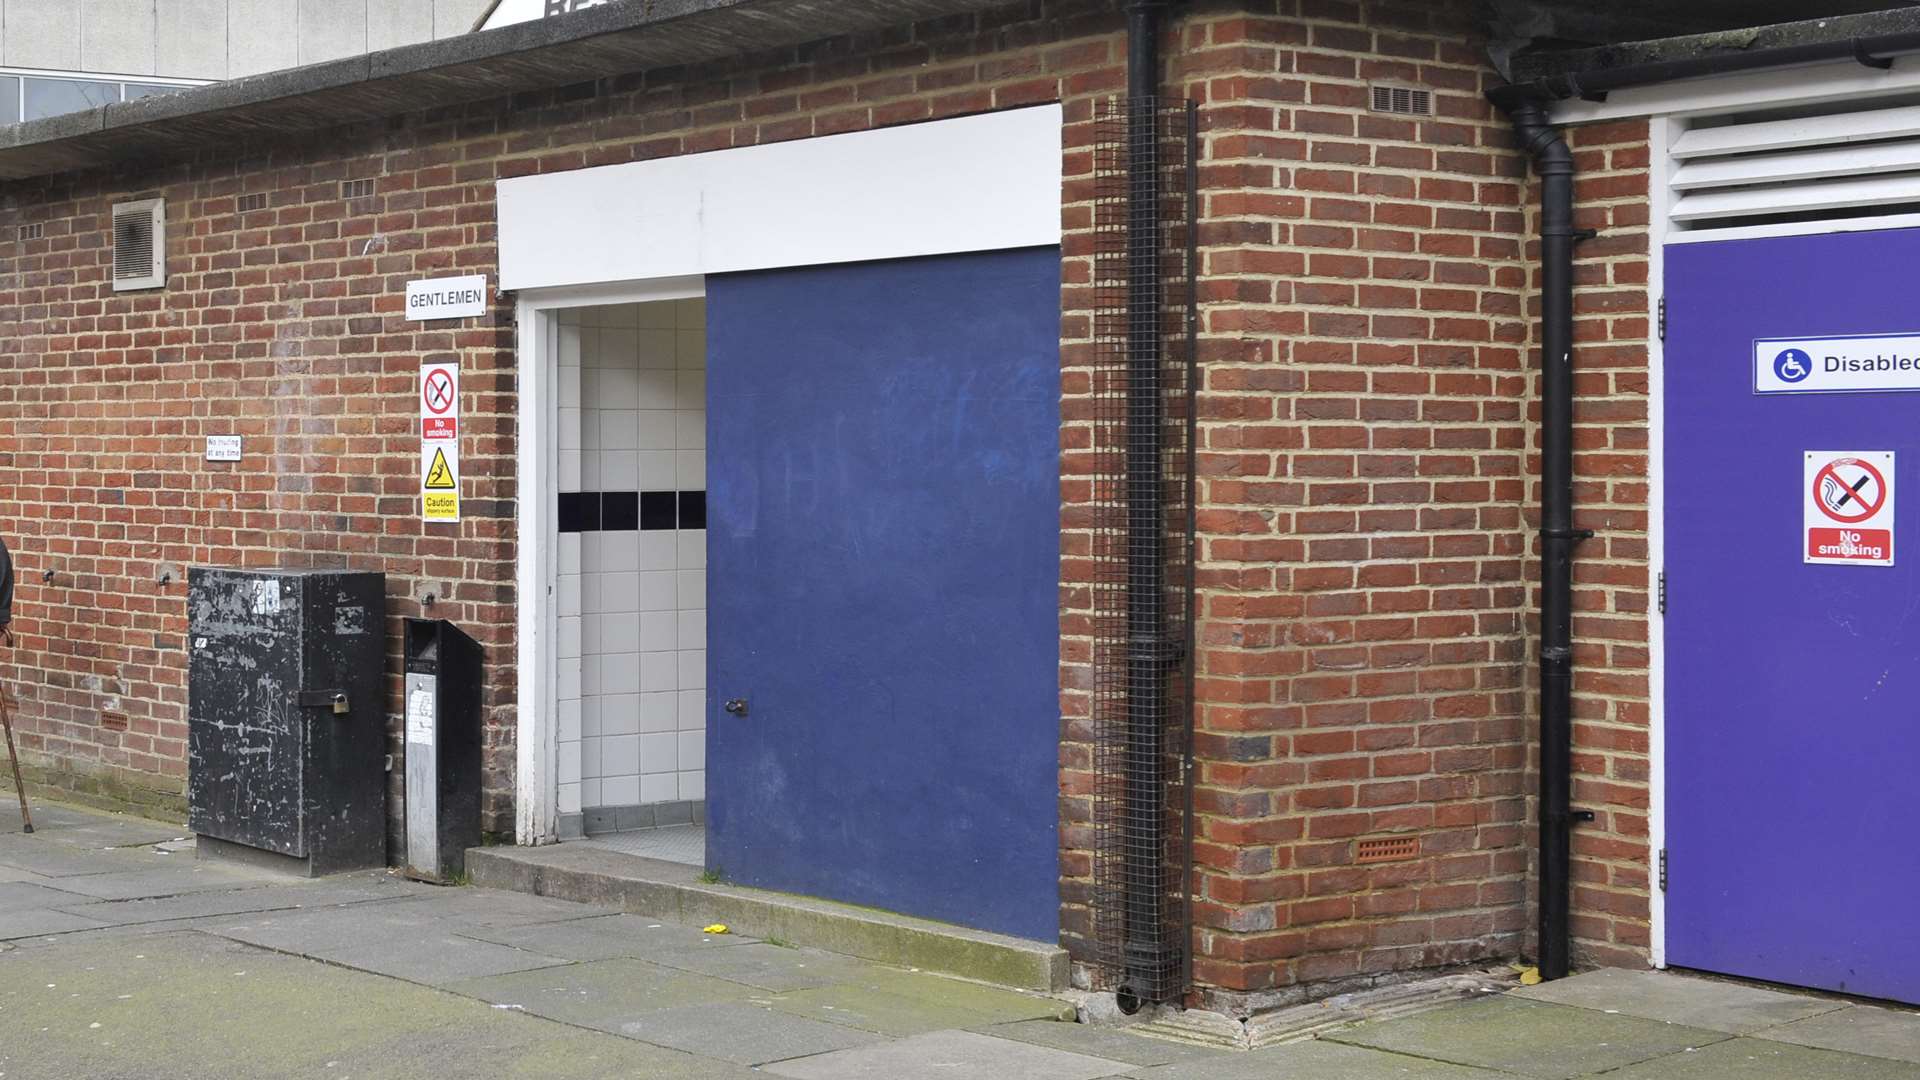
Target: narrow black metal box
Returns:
[[443, 748], [286, 717]]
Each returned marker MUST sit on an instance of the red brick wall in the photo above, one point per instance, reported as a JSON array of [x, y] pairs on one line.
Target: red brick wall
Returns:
[[1363, 449]]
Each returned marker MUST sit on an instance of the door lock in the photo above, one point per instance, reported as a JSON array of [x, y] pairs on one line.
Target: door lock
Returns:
[[736, 706], [335, 700]]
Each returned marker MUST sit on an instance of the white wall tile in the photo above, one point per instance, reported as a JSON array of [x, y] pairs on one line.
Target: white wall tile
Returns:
[[590, 792], [619, 674], [570, 713], [690, 390], [570, 429], [690, 314], [570, 382], [690, 632], [620, 714], [658, 471], [569, 762], [690, 470], [693, 786], [659, 550], [590, 717], [691, 750], [620, 429], [570, 471], [690, 349], [567, 640], [620, 470], [690, 669], [660, 787], [658, 711], [658, 315], [690, 429], [619, 348], [657, 349], [621, 387], [659, 631], [692, 590], [591, 667], [692, 712], [620, 755], [655, 389], [655, 430], [569, 798], [620, 791], [659, 671], [692, 553], [659, 591], [569, 554], [657, 752], [568, 677]]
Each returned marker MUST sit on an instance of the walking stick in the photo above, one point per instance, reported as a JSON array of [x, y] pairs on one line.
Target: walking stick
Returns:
[[6, 715]]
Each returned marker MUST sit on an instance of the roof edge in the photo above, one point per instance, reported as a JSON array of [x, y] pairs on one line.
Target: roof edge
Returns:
[[1528, 67]]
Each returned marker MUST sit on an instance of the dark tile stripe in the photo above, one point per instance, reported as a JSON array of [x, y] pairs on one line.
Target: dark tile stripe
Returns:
[[624, 511]]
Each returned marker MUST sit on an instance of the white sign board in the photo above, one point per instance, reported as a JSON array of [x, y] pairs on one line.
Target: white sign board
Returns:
[[1847, 507], [1851, 365], [519, 11], [447, 298], [440, 442], [223, 448]]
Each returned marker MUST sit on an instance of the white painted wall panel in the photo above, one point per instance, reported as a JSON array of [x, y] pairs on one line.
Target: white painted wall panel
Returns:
[[977, 183]]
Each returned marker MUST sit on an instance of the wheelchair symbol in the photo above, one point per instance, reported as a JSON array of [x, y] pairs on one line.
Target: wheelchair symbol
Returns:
[[1792, 365]]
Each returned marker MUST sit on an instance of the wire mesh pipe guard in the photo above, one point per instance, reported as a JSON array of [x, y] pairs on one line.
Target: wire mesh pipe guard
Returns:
[[1142, 514]]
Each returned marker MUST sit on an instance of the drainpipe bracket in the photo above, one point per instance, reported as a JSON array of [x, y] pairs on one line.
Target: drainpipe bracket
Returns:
[[1867, 59], [1575, 535]]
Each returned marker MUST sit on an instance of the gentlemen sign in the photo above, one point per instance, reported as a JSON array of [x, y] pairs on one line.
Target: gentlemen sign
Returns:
[[447, 298], [1850, 365]]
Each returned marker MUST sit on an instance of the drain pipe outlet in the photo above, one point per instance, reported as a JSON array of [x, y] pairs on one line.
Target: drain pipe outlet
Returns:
[[1553, 162]]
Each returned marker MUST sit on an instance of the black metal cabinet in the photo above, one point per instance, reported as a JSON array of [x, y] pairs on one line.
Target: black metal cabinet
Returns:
[[286, 715]]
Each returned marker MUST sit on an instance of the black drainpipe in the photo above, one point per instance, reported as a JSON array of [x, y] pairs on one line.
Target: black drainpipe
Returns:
[[1145, 816], [1554, 164]]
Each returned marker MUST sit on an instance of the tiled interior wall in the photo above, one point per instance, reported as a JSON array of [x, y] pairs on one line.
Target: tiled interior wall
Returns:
[[633, 554]]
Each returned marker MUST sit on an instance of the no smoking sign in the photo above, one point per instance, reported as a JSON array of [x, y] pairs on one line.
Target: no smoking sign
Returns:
[[1847, 511]]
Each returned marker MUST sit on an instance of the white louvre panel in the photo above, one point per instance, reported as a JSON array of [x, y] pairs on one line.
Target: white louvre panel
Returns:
[[1846, 166], [140, 244]]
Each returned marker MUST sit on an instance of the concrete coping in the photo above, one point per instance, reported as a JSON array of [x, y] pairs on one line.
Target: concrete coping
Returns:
[[675, 893]]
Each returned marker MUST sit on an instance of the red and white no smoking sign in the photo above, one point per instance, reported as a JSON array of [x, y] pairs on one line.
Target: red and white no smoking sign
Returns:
[[440, 401], [1848, 511]]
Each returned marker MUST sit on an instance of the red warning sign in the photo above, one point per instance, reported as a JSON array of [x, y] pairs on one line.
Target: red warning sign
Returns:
[[440, 401], [1848, 514]]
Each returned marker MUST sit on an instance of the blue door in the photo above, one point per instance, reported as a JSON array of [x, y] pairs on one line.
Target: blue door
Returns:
[[1793, 690], [883, 567]]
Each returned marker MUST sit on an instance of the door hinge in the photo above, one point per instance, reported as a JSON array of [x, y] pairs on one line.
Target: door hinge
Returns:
[[1660, 597], [1663, 869], [1663, 318]]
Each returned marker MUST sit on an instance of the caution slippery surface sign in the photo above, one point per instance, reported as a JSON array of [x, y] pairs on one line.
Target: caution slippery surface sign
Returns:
[[440, 442]]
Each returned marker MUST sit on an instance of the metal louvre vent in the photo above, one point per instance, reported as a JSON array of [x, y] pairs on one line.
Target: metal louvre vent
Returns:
[[33, 231], [1142, 526], [140, 244], [254, 201], [1843, 162], [1404, 100]]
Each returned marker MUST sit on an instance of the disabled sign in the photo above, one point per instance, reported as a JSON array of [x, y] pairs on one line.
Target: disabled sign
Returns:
[[1847, 511]]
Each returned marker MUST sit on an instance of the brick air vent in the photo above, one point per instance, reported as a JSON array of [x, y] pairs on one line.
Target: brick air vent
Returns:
[[33, 232], [1386, 849], [255, 201], [140, 244], [1403, 100], [356, 189]]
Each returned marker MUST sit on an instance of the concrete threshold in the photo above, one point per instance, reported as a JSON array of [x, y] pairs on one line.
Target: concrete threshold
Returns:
[[675, 893]]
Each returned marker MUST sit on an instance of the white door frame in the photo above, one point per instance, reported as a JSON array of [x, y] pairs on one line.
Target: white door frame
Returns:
[[537, 467]]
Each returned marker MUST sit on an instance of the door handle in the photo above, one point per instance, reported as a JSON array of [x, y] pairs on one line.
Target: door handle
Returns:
[[736, 706]]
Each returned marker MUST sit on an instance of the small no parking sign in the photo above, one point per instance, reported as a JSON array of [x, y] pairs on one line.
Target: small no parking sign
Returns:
[[1847, 508]]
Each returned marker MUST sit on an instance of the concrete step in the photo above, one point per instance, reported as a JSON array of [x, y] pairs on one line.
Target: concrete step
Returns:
[[675, 893]]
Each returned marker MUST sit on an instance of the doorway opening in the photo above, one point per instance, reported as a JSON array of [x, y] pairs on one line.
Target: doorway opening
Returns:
[[631, 554]]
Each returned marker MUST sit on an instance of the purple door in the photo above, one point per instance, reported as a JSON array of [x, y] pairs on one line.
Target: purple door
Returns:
[[1793, 690]]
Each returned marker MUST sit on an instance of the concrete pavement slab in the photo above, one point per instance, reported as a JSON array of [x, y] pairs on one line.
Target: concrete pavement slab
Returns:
[[742, 1033], [1114, 1044], [886, 1012], [606, 937], [388, 937], [603, 994], [1318, 1061], [36, 921], [769, 967], [190, 1004], [259, 898], [1715, 1004], [1533, 1038], [1858, 1029], [1761, 1059], [65, 860], [159, 881], [949, 1055], [498, 908], [17, 896]]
